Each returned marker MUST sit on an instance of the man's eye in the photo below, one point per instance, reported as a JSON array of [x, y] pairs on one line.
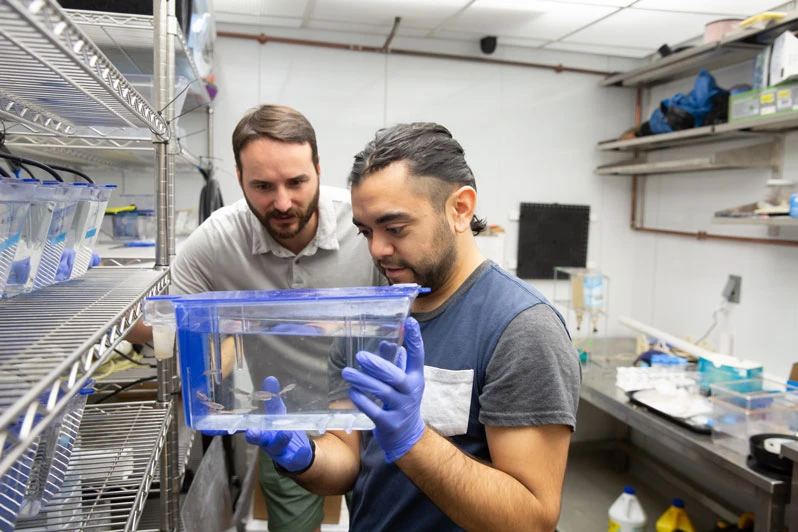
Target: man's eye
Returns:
[[262, 186], [364, 232], [394, 230]]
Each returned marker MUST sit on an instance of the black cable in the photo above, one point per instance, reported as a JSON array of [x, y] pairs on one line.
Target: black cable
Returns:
[[125, 387], [27, 171], [177, 96], [19, 160], [4, 173], [131, 359], [72, 171]]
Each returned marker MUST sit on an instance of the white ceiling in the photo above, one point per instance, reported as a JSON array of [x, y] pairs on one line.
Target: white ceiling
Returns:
[[626, 28]]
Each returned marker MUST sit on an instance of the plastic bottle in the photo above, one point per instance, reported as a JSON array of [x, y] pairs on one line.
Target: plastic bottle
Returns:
[[675, 518], [626, 514]]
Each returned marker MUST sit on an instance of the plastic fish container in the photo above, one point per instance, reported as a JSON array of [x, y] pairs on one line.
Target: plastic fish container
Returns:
[[82, 225], [94, 220], [743, 408], [272, 359], [54, 453], [66, 203], [14, 482], [32, 238], [14, 204]]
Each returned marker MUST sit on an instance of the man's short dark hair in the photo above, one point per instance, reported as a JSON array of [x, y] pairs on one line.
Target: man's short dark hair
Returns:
[[276, 122], [430, 152]]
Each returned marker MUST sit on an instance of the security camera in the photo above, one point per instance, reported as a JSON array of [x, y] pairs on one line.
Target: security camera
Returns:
[[488, 44]]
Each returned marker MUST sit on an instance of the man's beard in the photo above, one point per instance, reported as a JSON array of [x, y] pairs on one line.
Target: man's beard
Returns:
[[303, 217], [432, 273]]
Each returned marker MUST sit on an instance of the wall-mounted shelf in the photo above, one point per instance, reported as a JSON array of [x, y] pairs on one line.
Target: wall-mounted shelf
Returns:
[[38, 42], [736, 48], [754, 128], [55, 338], [127, 41], [771, 221], [758, 156], [110, 471]]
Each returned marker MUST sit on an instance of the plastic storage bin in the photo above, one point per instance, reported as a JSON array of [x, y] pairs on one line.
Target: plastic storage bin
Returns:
[[14, 204], [230, 342], [743, 408], [53, 455], [67, 197], [32, 238], [94, 220], [14, 482]]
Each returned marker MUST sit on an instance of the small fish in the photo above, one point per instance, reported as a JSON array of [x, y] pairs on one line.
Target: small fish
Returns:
[[213, 406], [210, 372], [202, 397], [237, 411], [263, 395]]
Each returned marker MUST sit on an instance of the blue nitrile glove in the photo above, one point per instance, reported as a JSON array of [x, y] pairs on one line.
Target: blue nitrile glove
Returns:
[[65, 266], [400, 387], [289, 449], [20, 270], [95, 260]]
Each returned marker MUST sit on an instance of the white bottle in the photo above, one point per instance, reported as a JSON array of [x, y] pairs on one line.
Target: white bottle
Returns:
[[626, 514]]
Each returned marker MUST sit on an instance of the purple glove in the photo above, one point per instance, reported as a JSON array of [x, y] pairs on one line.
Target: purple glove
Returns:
[[398, 422], [65, 266], [95, 260], [292, 450]]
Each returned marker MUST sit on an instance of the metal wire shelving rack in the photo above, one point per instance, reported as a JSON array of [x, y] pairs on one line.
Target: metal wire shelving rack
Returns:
[[110, 471], [60, 93]]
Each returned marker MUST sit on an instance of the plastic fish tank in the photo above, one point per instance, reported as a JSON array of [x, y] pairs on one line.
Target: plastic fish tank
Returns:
[[273, 359], [91, 229], [66, 203], [742, 408], [54, 453], [33, 237], [14, 482], [14, 205]]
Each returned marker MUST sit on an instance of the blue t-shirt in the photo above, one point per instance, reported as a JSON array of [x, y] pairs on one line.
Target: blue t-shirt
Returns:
[[472, 378]]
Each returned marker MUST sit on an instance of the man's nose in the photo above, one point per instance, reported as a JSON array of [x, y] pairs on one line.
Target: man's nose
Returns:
[[380, 247], [283, 201]]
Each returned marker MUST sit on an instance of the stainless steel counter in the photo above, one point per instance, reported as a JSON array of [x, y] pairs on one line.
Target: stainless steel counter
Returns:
[[598, 389]]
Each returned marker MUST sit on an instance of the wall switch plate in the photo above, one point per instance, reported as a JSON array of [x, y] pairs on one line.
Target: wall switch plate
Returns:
[[731, 292], [514, 216], [512, 264]]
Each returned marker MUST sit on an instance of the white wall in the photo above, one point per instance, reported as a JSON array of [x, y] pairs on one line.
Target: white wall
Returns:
[[530, 136], [684, 277]]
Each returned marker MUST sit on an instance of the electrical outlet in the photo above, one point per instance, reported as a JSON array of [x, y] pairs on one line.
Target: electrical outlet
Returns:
[[512, 264], [731, 292]]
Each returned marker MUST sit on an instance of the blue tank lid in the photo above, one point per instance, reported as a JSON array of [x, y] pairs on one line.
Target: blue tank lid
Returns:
[[629, 489], [677, 503]]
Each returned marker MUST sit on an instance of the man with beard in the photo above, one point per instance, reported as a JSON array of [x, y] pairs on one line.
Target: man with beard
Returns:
[[287, 232], [474, 419]]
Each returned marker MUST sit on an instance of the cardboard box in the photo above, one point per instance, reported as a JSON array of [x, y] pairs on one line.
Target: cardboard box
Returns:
[[770, 101], [332, 507], [784, 59]]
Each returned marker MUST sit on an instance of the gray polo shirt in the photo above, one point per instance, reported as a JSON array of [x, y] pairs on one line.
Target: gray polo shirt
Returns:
[[231, 250]]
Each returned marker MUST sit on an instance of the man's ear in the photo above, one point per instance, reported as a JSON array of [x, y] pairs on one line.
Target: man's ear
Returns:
[[462, 205]]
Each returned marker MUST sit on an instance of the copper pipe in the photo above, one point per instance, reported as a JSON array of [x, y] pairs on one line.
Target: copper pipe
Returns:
[[263, 39], [703, 235], [391, 35]]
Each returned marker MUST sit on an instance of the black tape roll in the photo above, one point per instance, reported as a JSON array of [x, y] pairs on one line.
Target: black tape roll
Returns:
[[765, 451]]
